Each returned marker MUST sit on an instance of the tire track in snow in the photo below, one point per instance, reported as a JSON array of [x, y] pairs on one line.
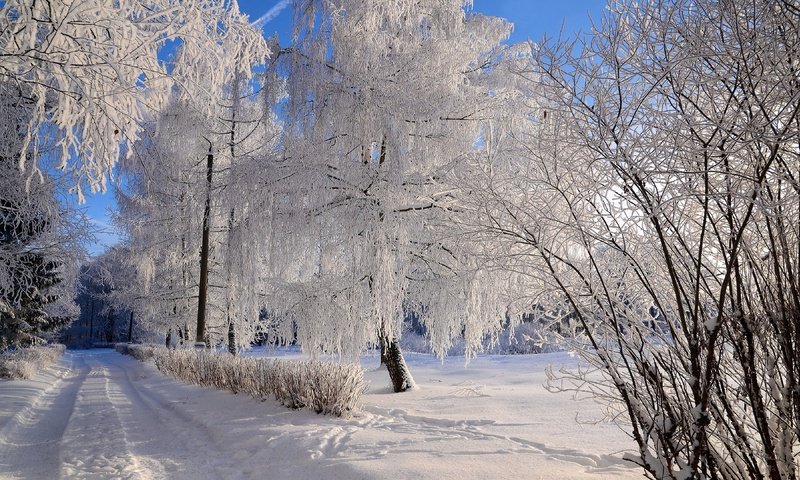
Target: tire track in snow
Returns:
[[95, 444], [332, 441], [163, 433], [123, 430], [30, 441]]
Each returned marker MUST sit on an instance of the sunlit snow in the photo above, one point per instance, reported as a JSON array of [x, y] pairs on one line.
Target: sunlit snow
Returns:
[[99, 414]]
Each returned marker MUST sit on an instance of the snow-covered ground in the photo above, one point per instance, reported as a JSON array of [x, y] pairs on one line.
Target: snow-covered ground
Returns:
[[99, 414]]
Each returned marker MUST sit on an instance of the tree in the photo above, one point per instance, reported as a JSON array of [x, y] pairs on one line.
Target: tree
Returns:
[[80, 80], [109, 298], [29, 315], [41, 240], [384, 99], [203, 66], [91, 73], [655, 196], [171, 207], [39, 251], [246, 189], [160, 214]]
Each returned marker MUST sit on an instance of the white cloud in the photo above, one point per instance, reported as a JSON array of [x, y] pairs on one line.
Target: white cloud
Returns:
[[271, 13]]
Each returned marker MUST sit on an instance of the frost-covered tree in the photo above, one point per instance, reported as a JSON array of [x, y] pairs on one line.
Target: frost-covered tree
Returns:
[[174, 164], [245, 197], [91, 72], [38, 301], [384, 99], [110, 298], [194, 190], [654, 197], [160, 214], [85, 78], [40, 240], [40, 247]]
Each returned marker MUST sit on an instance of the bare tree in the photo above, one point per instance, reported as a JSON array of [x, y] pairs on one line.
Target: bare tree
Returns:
[[655, 196]]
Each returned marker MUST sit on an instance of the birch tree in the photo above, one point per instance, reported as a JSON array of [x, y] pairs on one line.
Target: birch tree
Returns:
[[204, 77], [245, 197], [171, 206], [384, 99], [91, 71], [160, 214]]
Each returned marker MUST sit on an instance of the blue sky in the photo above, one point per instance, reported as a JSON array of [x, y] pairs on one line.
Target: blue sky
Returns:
[[532, 19]]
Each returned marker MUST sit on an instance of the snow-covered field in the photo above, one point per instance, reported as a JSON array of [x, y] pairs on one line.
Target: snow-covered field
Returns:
[[99, 414]]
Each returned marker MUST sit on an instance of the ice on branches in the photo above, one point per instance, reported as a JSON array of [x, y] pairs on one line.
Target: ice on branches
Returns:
[[91, 71]]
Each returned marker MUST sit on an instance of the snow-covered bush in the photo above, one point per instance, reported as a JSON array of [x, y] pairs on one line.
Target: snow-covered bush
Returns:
[[137, 351], [526, 338], [523, 339], [25, 362], [327, 388]]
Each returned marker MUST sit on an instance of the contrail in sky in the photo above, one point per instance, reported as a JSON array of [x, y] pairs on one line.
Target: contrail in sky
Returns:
[[271, 13]]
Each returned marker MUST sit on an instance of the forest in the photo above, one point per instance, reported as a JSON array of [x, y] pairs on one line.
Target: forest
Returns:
[[399, 168]]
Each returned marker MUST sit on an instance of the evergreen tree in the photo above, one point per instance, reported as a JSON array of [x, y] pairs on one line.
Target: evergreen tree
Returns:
[[24, 321], [32, 262]]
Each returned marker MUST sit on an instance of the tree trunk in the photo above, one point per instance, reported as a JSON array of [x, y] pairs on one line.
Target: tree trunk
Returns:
[[383, 350], [168, 340], [91, 322], [231, 337], [200, 336], [398, 370], [382, 342], [130, 328], [110, 326], [231, 323]]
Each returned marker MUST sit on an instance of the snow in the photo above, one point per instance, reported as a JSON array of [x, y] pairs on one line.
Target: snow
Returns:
[[99, 414]]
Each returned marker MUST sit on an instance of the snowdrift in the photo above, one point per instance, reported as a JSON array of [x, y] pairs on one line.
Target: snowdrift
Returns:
[[25, 362]]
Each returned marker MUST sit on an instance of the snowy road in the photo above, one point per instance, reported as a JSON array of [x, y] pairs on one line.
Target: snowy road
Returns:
[[92, 419], [99, 414]]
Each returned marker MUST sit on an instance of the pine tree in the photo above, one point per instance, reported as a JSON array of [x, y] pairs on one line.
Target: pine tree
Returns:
[[31, 276]]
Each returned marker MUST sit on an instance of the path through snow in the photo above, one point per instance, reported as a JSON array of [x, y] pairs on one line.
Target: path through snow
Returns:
[[99, 414]]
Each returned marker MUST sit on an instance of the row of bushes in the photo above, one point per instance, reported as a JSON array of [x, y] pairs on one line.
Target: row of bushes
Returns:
[[25, 362], [327, 388]]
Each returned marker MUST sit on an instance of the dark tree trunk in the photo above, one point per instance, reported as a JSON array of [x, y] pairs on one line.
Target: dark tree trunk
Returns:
[[168, 340], [91, 322], [381, 340], [398, 370], [231, 337], [383, 351], [231, 323], [130, 328], [110, 326], [200, 336]]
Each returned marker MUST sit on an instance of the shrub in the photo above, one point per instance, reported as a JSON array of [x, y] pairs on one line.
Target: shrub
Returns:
[[25, 362], [137, 351], [327, 388]]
